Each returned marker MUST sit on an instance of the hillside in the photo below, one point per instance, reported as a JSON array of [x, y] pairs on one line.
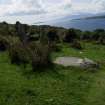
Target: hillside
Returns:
[[91, 17], [56, 85], [28, 74]]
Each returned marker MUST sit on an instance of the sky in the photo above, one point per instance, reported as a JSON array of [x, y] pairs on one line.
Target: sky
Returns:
[[30, 11]]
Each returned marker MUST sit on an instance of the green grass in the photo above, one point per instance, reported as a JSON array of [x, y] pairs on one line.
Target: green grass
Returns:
[[55, 86], [92, 51]]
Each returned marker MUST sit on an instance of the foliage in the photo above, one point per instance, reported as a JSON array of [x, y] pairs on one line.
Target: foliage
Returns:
[[40, 55], [87, 35], [4, 43], [18, 54], [52, 35], [77, 45], [70, 35], [98, 33]]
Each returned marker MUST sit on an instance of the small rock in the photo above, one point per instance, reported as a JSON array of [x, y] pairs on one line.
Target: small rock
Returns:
[[89, 63]]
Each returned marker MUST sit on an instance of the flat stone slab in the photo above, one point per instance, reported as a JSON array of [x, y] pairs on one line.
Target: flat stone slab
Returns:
[[75, 61]]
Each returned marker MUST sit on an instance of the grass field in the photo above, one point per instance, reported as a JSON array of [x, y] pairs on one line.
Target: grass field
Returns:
[[57, 85]]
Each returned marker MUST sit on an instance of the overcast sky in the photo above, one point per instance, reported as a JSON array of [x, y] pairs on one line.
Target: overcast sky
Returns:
[[30, 11]]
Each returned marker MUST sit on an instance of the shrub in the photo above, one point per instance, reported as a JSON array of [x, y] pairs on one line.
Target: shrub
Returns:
[[76, 44], [70, 35], [40, 56], [35, 53], [87, 35], [101, 40], [52, 35], [4, 43], [4, 28], [78, 33], [98, 34], [18, 54]]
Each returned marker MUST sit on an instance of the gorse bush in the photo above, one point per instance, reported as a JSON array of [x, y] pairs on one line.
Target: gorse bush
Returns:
[[23, 52], [36, 54], [70, 36], [7, 41], [99, 36], [98, 33], [4, 28], [40, 55], [52, 35], [18, 54], [4, 43], [86, 35], [77, 45]]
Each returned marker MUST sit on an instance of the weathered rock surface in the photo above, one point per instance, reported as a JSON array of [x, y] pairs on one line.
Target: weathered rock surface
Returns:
[[89, 63], [75, 61]]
